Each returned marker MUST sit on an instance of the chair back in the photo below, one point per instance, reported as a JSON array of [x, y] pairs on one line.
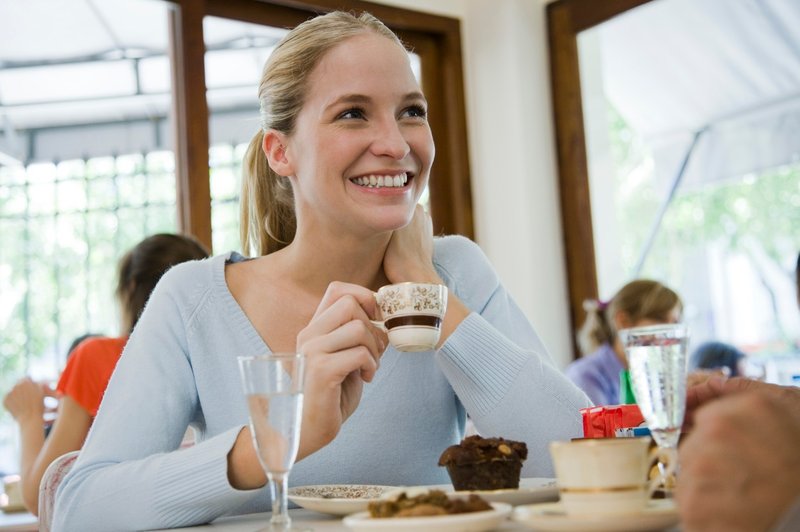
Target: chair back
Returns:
[[52, 478]]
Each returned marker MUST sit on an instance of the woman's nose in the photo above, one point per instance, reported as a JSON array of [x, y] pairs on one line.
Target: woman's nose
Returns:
[[390, 142]]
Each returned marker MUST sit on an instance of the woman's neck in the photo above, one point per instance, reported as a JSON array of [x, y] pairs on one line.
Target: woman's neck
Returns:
[[314, 263]]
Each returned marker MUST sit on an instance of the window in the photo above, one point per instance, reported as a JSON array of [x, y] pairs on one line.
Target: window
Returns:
[[696, 185]]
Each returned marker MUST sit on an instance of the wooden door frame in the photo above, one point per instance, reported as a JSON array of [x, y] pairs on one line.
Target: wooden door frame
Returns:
[[565, 20], [435, 38]]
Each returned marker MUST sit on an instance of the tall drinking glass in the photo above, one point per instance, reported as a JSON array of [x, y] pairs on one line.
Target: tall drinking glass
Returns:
[[657, 365], [273, 387]]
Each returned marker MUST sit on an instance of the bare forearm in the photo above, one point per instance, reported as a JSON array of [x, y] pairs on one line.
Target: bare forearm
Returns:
[[244, 469], [32, 441], [455, 314]]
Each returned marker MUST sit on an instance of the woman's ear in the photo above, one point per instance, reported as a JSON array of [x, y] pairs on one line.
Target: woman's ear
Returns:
[[274, 147], [622, 320]]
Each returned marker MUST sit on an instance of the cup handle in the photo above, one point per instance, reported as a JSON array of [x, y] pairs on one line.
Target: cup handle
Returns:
[[668, 457], [379, 325]]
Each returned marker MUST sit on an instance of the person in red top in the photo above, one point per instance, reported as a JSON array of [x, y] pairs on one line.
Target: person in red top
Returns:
[[88, 371], [89, 366]]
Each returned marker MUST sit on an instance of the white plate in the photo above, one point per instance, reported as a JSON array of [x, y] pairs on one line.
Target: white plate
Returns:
[[550, 517], [468, 522], [530, 490], [337, 499]]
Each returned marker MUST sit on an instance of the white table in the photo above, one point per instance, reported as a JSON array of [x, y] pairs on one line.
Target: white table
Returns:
[[313, 520], [18, 521], [304, 518]]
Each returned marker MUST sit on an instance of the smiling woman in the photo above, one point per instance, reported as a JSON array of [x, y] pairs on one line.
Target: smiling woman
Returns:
[[89, 169], [312, 290]]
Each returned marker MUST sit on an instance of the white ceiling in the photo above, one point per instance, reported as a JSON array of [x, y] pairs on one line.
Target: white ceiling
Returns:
[[67, 62]]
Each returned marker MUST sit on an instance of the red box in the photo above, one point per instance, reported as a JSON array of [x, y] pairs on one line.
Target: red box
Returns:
[[603, 421]]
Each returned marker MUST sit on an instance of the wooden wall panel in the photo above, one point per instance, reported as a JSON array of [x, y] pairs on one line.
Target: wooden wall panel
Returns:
[[565, 19]]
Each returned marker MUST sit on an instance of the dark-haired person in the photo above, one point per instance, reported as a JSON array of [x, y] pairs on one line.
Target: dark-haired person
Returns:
[[717, 355], [89, 366]]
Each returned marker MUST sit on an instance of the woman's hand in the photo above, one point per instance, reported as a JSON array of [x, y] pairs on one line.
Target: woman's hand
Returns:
[[25, 401], [343, 350], [409, 256]]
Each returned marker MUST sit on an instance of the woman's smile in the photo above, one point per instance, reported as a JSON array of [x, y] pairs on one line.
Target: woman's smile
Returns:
[[391, 182]]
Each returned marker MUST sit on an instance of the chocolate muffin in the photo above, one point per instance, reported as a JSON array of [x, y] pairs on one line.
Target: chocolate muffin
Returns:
[[484, 463]]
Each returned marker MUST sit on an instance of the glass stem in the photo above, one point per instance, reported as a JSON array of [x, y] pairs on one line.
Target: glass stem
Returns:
[[279, 483]]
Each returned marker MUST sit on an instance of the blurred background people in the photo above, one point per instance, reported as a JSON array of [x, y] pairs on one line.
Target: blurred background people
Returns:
[[89, 366], [718, 355], [639, 303]]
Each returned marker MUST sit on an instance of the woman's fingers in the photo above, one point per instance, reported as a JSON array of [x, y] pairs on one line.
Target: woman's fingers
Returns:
[[338, 290], [341, 325], [338, 366], [352, 334]]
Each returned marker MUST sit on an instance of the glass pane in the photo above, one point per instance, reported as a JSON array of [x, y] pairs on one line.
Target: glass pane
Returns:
[[688, 198], [236, 52]]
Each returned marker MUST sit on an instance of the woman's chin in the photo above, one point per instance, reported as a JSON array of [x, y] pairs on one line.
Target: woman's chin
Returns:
[[387, 224]]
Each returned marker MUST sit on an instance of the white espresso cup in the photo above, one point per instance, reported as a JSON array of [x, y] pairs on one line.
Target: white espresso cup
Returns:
[[412, 314], [605, 475]]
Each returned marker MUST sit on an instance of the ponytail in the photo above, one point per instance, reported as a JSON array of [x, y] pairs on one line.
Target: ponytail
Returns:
[[267, 204], [596, 329]]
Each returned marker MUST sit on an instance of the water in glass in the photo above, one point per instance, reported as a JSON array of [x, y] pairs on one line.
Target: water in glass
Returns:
[[273, 387]]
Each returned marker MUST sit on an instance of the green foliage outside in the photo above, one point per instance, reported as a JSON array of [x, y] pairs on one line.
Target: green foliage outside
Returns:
[[757, 215]]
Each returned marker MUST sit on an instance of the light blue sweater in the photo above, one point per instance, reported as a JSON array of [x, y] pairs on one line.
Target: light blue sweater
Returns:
[[179, 367]]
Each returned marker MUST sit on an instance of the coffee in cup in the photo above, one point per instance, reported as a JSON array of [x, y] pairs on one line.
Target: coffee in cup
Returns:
[[412, 314], [605, 475]]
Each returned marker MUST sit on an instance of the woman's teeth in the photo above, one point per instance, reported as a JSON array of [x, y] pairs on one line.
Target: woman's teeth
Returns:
[[377, 181]]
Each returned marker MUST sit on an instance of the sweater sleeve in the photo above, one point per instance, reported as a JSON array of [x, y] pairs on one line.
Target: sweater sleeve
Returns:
[[122, 481], [498, 366]]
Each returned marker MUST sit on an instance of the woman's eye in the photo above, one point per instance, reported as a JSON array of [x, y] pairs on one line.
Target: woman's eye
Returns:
[[415, 111], [350, 114]]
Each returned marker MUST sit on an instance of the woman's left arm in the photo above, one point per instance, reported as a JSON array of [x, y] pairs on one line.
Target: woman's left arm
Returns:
[[498, 365], [489, 352]]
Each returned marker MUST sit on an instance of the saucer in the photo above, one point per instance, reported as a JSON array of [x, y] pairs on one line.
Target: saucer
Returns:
[[551, 517], [337, 499]]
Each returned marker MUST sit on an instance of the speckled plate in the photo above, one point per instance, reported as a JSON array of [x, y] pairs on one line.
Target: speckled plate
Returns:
[[337, 499]]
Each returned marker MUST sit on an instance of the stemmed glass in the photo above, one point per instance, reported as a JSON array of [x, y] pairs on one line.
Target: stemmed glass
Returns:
[[657, 364], [273, 387]]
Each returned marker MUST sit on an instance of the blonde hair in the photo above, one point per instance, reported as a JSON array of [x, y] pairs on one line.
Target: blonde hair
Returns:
[[640, 299], [267, 214]]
